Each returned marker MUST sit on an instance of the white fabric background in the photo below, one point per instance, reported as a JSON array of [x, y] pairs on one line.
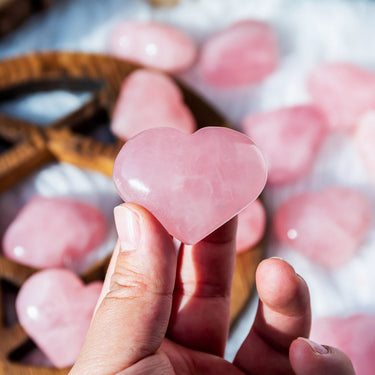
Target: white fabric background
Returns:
[[311, 31]]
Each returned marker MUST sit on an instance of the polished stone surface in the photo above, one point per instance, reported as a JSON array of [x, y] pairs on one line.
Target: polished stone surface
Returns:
[[244, 53], [191, 183], [289, 138], [55, 309], [354, 335], [153, 44], [53, 232], [343, 91], [326, 226], [149, 99], [251, 226]]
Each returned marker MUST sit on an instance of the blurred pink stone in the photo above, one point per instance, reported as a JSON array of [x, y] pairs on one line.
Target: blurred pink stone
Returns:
[[244, 53], [53, 232], [153, 44], [191, 183], [55, 309], [354, 335], [289, 139], [149, 99], [326, 226], [343, 92], [365, 141], [251, 226]]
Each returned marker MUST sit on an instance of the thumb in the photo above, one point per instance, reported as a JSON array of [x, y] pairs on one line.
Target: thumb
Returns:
[[132, 318], [310, 358]]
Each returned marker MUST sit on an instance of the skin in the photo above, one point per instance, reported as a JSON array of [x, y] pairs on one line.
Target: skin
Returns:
[[163, 313]]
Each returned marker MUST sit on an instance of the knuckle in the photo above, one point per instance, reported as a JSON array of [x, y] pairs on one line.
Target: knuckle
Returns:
[[203, 290], [128, 283]]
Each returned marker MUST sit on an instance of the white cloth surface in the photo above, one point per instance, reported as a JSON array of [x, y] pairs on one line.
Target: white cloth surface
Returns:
[[311, 31]]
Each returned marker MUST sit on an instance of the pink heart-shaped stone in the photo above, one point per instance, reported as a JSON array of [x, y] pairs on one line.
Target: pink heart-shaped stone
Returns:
[[325, 226], [153, 44], [147, 100], [55, 309], [343, 92], [354, 335], [243, 53], [53, 232], [192, 183], [365, 141], [251, 226], [289, 139]]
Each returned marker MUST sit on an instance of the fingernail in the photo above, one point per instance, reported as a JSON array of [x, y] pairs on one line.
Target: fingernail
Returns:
[[278, 258], [317, 348], [128, 228]]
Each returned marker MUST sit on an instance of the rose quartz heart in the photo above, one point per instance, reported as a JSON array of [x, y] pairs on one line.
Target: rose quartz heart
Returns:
[[243, 53], [53, 232], [354, 335], [289, 139], [147, 100], [55, 309], [251, 226], [365, 141], [192, 183], [343, 91], [325, 226], [153, 44]]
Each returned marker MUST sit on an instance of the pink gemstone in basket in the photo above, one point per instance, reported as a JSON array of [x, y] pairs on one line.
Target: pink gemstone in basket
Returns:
[[343, 91], [153, 44], [53, 232], [192, 183], [365, 141], [289, 139], [149, 99], [251, 226], [326, 226], [354, 335], [55, 309], [244, 53]]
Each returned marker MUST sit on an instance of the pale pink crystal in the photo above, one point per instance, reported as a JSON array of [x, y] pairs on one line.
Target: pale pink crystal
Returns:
[[289, 139], [192, 183], [343, 91], [365, 141], [326, 226], [251, 226], [55, 309], [246, 52], [147, 100], [354, 335], [153, 44], [52, 232]]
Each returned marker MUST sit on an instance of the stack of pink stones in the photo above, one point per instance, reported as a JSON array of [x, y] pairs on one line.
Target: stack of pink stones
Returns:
[[54, 306]]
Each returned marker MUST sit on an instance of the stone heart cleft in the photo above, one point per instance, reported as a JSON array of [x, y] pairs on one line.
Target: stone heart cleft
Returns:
[[191, 183]]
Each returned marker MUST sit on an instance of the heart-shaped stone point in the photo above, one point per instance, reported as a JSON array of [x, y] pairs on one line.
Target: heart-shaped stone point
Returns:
[[192, 183]]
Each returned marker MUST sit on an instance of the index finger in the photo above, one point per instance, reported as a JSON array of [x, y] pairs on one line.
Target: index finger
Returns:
[[201, 304]]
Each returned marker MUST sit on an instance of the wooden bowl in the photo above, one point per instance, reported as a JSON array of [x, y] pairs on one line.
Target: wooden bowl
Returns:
[[26, 147], [15, 12]]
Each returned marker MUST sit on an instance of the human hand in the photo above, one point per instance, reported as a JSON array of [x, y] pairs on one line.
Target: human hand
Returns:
[[163, 313]]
